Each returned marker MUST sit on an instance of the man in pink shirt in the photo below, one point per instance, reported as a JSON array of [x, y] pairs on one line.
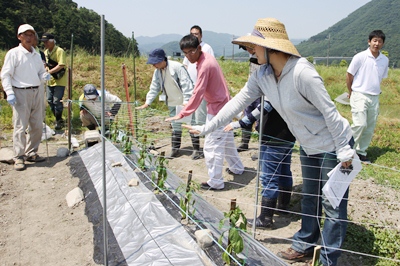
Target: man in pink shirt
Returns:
[[212, 87]]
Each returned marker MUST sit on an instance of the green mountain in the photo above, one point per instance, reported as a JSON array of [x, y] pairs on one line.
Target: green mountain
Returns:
[[350, 35], [63, 18]]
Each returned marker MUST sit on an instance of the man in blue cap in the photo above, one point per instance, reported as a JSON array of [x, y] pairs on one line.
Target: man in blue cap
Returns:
[[90, 105], [172, 80]]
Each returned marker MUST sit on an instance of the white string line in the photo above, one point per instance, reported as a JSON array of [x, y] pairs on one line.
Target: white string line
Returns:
[[265, 234], [204, 176], [180, 209], [293, 193], [133, 209], [352, 182]]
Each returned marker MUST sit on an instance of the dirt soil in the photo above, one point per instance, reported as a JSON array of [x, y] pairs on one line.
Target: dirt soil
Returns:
[[38, 228]]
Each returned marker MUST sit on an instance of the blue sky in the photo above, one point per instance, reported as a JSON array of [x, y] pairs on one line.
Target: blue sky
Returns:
[[302, 18]]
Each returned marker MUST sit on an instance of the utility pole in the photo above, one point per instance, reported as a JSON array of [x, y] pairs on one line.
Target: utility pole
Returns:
[[329, 43], [233, 47]]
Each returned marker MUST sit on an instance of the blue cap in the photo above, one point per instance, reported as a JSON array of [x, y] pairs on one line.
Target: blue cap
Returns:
[[156, 56], [90, 91]]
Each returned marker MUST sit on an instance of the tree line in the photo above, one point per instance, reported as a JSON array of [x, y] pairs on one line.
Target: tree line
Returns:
[[62, 18]]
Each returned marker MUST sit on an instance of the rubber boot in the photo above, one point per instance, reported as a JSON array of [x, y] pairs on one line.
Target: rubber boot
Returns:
[[91, 127], [264, 220], [244, 146], [59, 121], [175, 143], [197, 153], [285, 194]]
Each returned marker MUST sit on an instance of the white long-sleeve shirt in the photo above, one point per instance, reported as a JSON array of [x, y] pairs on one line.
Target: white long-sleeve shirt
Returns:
[[22, 69]]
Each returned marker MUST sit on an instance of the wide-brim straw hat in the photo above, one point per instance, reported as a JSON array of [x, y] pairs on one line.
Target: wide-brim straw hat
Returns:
[[269, 33]]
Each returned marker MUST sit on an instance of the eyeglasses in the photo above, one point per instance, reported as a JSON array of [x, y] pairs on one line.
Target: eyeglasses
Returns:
[[30, 35], [192, 52]]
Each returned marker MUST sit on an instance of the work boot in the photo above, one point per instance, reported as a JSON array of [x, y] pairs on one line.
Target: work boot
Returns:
[[244, 146], [59, 121], [285, 194], [197, 153], [264, 220], [59, 124], [175, 143], [91, 127]]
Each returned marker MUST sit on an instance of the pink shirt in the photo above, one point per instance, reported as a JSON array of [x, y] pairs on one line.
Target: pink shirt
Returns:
[[210, 85]]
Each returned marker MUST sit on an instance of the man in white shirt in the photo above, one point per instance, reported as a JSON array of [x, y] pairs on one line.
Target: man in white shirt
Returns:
[[22, 74], [364, 76], [201, 113]]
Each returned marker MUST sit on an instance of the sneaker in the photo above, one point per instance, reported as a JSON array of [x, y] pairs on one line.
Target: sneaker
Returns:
[[229, 171], [292, 255], [19, 164], [206, 186], [364, 159], [35, 159]]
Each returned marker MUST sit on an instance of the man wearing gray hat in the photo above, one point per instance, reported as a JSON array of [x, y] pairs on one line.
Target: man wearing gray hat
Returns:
[[21, 76], [90, 105], [172, 80], [55, 62]]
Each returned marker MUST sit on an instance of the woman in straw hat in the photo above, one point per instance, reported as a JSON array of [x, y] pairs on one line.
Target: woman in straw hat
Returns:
[[297, 92]]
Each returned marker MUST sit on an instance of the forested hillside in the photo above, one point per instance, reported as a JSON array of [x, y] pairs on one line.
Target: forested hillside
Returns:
[[62, 18], [350, 35]]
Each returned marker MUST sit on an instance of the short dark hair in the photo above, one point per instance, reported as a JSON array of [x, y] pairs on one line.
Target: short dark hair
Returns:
[[189, 41], [377, 34], [197, 27]]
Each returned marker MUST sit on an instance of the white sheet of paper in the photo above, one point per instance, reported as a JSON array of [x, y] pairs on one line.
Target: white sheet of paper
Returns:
[[338, 182], [186, 119]]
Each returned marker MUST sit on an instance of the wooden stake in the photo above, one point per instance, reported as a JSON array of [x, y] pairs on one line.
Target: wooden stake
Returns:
[[233, 206], [317, 252]]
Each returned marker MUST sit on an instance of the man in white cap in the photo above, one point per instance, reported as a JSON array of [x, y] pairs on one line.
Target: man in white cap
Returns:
[[21, 76]]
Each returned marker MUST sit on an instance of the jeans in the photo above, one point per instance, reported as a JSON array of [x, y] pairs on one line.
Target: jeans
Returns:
[[54, 96], [314, 170], [275, 169]]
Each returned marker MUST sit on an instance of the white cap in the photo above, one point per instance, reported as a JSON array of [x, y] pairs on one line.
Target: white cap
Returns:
[[25, 27]]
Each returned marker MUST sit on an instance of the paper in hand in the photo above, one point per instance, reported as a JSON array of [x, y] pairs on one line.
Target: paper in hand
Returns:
[[339, 181]]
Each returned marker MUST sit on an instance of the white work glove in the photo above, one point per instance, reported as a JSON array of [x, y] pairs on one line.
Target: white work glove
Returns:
[[345, 154], [235, 125], [46, 76], [200, 129], [239, 115], [11, 99]]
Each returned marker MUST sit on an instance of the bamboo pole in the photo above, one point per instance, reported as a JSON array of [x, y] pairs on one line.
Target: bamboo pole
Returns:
[[128, 99]]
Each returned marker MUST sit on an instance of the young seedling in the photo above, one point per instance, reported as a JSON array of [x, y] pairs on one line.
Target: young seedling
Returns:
[[159, 175], [126, 144], [143, 155], [114, 131], [237, 222], [187, 202]]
